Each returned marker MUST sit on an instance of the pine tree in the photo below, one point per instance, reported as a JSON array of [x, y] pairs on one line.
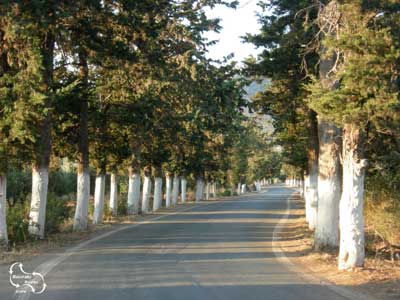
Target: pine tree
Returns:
[[365, 73]]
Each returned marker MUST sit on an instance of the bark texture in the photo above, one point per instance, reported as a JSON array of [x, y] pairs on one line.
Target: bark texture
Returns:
[[352, 241], [83, 177], [311, 190]]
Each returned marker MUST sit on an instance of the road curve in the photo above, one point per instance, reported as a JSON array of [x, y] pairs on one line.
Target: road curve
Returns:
[[215, 250]]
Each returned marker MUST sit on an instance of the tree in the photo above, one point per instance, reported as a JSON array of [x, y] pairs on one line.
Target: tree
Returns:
[[365, 73], [286, 61]]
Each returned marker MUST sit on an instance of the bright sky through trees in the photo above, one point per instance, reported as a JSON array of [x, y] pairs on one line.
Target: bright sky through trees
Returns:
[[235, 23]]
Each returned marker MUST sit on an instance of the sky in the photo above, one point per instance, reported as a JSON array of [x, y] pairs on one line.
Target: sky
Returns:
[[235, 23]]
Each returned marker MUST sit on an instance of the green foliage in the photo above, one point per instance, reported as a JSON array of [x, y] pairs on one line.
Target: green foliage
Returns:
[[366, 71], [18, 223], [58, 211]]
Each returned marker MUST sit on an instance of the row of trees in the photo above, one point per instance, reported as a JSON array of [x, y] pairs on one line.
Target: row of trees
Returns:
[[124, 81], [334, 96]]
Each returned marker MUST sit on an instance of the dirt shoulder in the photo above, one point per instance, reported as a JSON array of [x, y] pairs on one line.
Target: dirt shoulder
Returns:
[[379, 278]]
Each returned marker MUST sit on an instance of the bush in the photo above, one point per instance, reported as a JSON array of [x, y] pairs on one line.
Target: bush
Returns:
[[18, 185], [62, 183], [57, 212], [18, 223]]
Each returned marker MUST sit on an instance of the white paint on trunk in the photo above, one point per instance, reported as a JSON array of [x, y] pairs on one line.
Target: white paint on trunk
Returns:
[[82, 201], [243, 190], [37, 214], [214, 192], [134, 194], [99, 195], [238, 191], [183, 189], [306, 197], [146, 194], [327, 229], [313, 196], [157, 193], [199, 189], [168, 190], [114, 194], [3, 203], [208, 188], [352, 240], [329, 186], [175, 190]]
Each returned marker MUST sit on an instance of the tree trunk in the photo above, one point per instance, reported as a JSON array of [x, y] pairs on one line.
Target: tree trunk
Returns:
[[40, 166], [99, 195], [175, 190], [329, 186], [311, 194], [208, 187], [114, 193], [168, 187], [199, 189], [146, 190], [133, 201], [214, 189], [239, 188], [83, 176], [183, 188], [352, 241], [133, 191], [157, 189], [3, 203], [37, 215]]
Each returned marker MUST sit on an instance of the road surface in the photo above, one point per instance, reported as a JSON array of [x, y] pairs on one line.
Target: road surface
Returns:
[[211, 250]]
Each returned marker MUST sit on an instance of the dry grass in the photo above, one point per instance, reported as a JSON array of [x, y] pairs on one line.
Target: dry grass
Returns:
[[379, 277]]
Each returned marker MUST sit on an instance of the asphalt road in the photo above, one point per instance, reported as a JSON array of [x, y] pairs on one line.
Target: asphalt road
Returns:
[[215, 250]]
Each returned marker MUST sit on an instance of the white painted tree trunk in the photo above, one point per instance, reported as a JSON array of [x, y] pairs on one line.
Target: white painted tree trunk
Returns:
[[175, 190], [157, 193], [352, 240], [306, 197], [168, 190], [238, 191], [99, 195], [199, 189], [114, 194], [134, 193], [214, 189], [82, 200], [37, 214], [183, 189], [3, 204], [146, 193], [243, 190], [208, 188], [329, 187], [313, 197]]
